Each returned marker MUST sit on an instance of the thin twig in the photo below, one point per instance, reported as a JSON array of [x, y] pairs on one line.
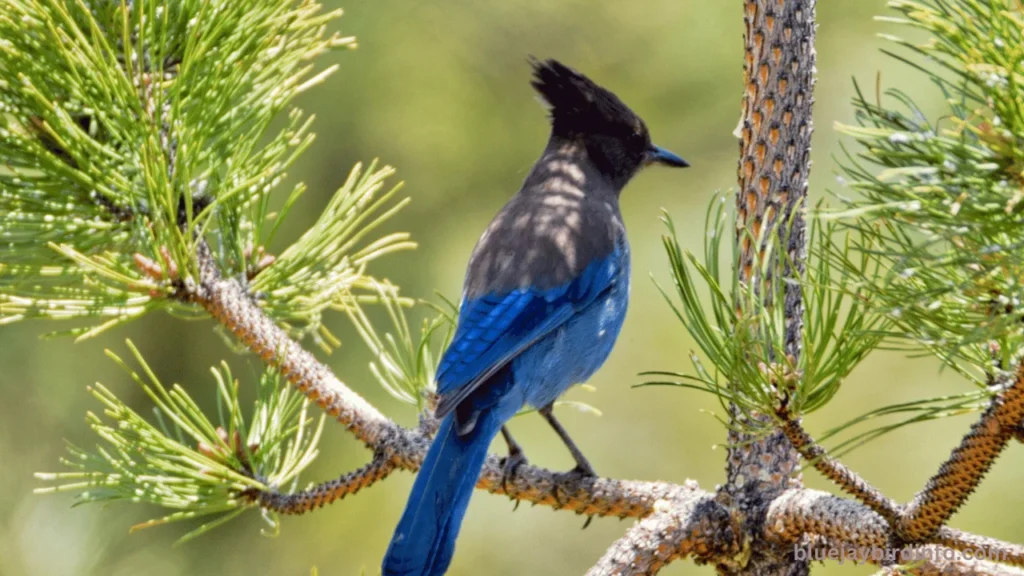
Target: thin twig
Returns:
[[328, 492], [837, 472]]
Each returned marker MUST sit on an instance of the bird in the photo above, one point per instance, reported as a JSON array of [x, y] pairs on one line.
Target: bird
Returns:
[[544, 299]]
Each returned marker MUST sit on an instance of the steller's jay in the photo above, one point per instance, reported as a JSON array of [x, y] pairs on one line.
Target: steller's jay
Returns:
[[544, 298]]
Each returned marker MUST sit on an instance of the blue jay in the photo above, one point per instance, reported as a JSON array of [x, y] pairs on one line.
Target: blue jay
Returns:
[[543, 301]]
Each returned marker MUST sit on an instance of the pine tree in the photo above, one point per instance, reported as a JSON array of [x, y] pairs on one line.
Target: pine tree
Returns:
[[141, 144]]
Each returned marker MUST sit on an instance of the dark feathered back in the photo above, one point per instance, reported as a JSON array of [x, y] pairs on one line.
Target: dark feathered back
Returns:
[[578, 105]]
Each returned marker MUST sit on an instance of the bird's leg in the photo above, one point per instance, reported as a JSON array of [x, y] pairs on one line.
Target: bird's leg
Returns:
[[583, 467], [514, 460]]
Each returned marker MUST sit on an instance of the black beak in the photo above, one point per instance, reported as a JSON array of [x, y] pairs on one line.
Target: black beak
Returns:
[[658, 155]]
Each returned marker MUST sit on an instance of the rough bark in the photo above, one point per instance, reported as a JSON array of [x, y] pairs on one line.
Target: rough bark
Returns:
[[967, 465], [775, 142]]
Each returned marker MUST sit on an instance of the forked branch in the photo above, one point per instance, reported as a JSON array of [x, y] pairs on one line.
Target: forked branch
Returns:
[[837, 472], [856, 533], [924, 518], [696, 525]]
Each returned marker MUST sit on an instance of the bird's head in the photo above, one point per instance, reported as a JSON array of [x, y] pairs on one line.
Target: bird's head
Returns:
[[615, 138]]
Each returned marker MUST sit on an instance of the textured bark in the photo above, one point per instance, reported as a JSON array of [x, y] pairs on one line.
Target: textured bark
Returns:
[[850, 526], [696, 525], [937, 561], [992, 548], [799, 512], [758, 471], [819, 524], [776, 130], [774, 164], [326, 493], [837, 472], [967, 465]]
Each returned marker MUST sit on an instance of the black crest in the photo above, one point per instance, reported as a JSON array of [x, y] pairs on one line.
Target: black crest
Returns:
[[578, 105]]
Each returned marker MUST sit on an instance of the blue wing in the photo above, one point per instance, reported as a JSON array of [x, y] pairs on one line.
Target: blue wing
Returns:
[[495, 328]]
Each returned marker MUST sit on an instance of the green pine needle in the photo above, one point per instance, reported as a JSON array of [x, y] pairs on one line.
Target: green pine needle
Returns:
[[939, 207], [404, 364], [737, 333], [125, 124], [326, 267], [180, 460]]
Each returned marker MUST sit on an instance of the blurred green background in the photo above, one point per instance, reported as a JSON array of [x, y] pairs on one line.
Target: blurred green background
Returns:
[[440, 90]]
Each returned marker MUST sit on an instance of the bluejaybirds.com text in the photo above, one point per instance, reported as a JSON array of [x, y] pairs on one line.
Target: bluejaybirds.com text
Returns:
[[876, 555]]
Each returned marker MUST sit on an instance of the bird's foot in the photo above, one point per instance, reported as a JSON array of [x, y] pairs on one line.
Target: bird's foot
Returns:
[[581, 472], [583, 469], [509, 465]]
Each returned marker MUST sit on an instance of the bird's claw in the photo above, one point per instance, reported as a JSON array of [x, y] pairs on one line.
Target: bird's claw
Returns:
[[509, 465]]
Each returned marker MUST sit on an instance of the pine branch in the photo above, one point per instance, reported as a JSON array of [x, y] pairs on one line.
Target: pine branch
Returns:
[[326, 493], [697, 526], [924, 517], [682, 518], [837, 472], [796, 513], [191, 464], [228, 302], [939, 199], [849, 525], [124, 120], [967, 465], [793, 514], [991, 548], [939, 561]]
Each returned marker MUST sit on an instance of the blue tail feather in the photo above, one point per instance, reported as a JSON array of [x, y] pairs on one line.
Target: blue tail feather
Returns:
[[424, 540]]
